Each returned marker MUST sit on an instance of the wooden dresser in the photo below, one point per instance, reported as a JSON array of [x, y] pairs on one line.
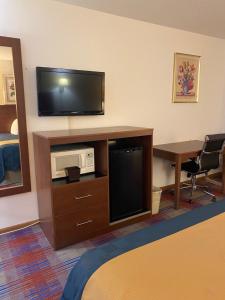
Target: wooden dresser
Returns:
[[72, 212]]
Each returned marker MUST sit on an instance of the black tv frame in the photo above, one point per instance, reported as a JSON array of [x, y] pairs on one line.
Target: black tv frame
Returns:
[[71, 113]]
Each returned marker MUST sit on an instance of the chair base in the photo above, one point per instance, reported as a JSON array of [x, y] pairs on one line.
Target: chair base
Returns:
[[193, 186]]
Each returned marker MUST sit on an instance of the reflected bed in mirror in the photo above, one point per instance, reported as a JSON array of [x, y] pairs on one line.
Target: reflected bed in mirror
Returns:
[[14, 162], [10, 171]]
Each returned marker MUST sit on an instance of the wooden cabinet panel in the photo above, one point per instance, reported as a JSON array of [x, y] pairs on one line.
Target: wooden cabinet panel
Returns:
[[80, 196], [81, 224]]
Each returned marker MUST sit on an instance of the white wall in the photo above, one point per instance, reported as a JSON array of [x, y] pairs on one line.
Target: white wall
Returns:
[[138, 60]]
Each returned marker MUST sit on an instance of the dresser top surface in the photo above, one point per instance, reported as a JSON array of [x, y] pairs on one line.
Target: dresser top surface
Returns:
[[101, 131]]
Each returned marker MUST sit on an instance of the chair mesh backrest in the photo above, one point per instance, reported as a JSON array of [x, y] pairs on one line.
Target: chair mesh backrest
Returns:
[[212, 148]]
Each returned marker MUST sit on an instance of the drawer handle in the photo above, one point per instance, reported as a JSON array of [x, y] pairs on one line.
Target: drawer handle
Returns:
[[84, 223], [82, 197]]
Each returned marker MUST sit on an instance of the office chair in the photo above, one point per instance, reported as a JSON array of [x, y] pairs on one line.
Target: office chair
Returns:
[[208, 159]]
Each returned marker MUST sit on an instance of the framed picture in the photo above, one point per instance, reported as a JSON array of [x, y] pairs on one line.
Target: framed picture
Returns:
[[10, 90], [186, 78]]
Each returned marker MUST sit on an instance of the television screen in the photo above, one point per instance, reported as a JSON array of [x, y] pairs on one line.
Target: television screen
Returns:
[[63, 92]]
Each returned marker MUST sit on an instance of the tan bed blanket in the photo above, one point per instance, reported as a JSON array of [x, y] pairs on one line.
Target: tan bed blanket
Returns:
[[188, 265]]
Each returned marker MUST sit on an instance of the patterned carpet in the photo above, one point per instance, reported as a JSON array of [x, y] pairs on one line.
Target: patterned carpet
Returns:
[[31, 269]]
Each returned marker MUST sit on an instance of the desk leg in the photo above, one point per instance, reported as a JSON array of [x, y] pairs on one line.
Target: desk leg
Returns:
[[223, 174], [177, 181]]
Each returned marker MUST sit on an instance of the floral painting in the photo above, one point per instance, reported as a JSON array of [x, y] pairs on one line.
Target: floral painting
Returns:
[[186, 78], [10, 90]]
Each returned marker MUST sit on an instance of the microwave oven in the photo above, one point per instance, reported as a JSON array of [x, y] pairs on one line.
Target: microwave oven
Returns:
[[82, 157]]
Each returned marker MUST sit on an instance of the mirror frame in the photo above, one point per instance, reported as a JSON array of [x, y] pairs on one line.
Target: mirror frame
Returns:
[[14, 43]]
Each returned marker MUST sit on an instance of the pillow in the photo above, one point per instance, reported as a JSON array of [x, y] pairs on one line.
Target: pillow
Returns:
[[14, 127]]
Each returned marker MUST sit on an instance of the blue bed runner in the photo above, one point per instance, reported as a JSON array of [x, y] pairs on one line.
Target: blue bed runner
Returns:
[[93, 259]]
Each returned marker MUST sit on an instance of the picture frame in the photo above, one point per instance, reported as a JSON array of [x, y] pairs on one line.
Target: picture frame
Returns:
[[10, 89], [186, 78]]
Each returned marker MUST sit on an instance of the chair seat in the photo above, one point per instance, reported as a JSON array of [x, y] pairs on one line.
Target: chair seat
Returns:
[[190, 167]]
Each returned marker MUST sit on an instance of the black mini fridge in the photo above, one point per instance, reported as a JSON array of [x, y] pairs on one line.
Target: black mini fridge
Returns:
[[125, 182]]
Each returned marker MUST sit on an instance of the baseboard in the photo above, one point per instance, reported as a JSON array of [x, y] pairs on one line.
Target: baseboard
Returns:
[[18, 226], [172, 186]]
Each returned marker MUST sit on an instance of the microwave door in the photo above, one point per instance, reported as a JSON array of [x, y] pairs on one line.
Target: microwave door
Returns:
[[65, 161], [82, 161], [53, 167], [76, 161]]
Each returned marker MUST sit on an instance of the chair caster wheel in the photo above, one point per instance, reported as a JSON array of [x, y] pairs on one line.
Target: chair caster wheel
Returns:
[[214, 199]]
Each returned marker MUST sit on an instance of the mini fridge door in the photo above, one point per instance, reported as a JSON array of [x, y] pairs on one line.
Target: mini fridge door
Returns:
[[126, 182]]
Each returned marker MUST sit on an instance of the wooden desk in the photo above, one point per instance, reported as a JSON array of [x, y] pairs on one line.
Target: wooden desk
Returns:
[[178, 153]]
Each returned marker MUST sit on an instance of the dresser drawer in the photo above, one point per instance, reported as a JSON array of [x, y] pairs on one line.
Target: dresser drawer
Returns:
[[81, 225], [80, 196]]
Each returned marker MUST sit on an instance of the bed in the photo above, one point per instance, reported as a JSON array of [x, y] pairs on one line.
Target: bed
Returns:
[[180, 258]]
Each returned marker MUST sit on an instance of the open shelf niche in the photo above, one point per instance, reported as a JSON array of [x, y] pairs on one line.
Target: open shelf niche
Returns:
[[101, 162]]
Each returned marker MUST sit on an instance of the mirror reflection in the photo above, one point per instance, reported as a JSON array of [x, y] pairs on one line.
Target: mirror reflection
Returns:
[[10, 170]]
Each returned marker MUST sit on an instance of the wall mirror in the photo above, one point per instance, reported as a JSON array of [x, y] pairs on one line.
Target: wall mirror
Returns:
[[14, 161]]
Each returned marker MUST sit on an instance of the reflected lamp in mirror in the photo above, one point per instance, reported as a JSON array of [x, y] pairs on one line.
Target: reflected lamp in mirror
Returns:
[[14, 161], [14, 127]]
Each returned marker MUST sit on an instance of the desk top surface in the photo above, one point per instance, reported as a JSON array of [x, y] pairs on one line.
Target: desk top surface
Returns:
[[180, 147]]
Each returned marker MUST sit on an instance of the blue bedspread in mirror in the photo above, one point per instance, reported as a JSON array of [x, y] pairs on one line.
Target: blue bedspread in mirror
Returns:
[[9, 154]]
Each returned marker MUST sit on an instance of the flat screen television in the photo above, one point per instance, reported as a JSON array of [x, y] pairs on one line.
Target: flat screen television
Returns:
[[63, 92]]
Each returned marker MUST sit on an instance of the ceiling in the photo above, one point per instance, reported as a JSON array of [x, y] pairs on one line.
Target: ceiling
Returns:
[[200, 16]]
